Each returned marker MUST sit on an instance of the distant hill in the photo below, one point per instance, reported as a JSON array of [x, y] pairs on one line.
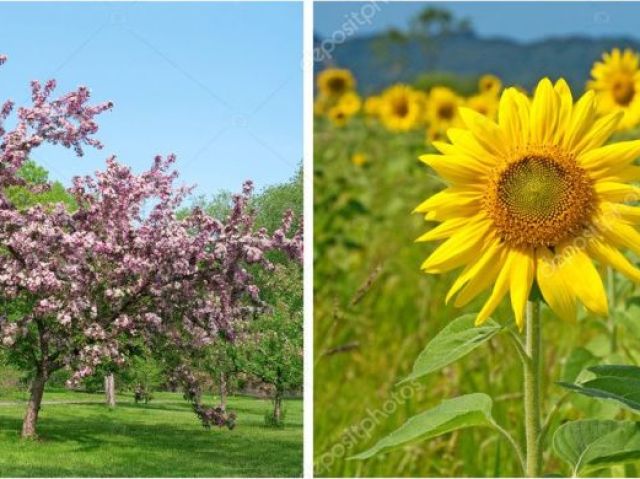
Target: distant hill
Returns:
[[377, 62]]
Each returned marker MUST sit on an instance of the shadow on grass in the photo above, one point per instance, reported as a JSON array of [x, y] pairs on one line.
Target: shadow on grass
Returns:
[[108, 445]]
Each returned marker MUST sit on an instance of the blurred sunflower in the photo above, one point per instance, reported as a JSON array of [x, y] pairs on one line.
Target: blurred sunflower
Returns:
[[442, 111], [490, 84], [359, 159], [350, 102], [486, 105], [616, 81], [338, 116], [372, 106], [534, 198], [334, 82], [401, 108]]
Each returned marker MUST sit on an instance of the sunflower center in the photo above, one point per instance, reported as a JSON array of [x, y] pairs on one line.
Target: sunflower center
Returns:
[[336, 85], [401, 107], [540, 199], [446, 111], [623, 90], [487, 85]]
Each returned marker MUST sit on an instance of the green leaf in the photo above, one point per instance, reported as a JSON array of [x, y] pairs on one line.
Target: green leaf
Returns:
[[576, 362], [620, 383], [456, 340], [593, 444], [619, 371], [464, 411]]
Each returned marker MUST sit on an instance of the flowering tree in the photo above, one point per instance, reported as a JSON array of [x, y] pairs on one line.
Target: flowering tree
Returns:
[[80, 284], [280, 285], [68, 121], [234, 254]]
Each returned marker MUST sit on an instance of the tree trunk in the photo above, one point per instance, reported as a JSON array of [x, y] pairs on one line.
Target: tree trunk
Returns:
[[33, 406], [277, 408], [110, 390], [223, 391]]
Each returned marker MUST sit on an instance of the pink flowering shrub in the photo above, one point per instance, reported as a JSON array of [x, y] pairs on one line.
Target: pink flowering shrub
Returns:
[[83, 285]]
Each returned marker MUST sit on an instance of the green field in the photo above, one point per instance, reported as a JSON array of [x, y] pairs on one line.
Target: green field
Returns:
[[161, 439], [375, 311]]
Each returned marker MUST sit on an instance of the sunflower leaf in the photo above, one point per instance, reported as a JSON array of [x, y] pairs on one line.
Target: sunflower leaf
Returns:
[[456, 340], [578, 359], [592, 444], [457, 413], [620, 383]]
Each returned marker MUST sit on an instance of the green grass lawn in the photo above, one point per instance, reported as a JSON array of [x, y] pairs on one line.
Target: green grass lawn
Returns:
[[162, 439]]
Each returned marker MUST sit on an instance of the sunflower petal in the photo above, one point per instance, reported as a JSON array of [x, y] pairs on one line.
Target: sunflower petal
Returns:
[[566, 107], [582, 118], [444, 230], [456, 169], [499, 290], [485, 131], [467, 144], [458, 249], [583, 277], [509, 116], [600, 132], [555, 291], [630, 214], [480, 269], [544, 113], [611, 156], [620, 233], [449, 196], [611, 256], [616, 192], [522, 276]]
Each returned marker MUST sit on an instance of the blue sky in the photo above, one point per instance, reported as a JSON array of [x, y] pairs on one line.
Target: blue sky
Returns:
[[219, 84], [524, 21]]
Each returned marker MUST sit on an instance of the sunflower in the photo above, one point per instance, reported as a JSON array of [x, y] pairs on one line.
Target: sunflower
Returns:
[[490, 84], [350, 102], [434, 134], [359, 159], [372, 106], [484, 104], [338, 116], [442, 111], [401, 108], [534, 198], [334, 82], [616, 81]]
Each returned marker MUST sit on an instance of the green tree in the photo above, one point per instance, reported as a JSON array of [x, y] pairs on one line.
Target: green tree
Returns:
[[47, 193], [221, 361], [273, 347], [269, 204]]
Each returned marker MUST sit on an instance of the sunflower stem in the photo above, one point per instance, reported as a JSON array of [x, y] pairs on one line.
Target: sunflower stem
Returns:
[[532, 404]]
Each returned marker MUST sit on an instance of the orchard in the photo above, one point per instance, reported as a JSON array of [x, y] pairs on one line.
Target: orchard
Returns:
[[115, 277]]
